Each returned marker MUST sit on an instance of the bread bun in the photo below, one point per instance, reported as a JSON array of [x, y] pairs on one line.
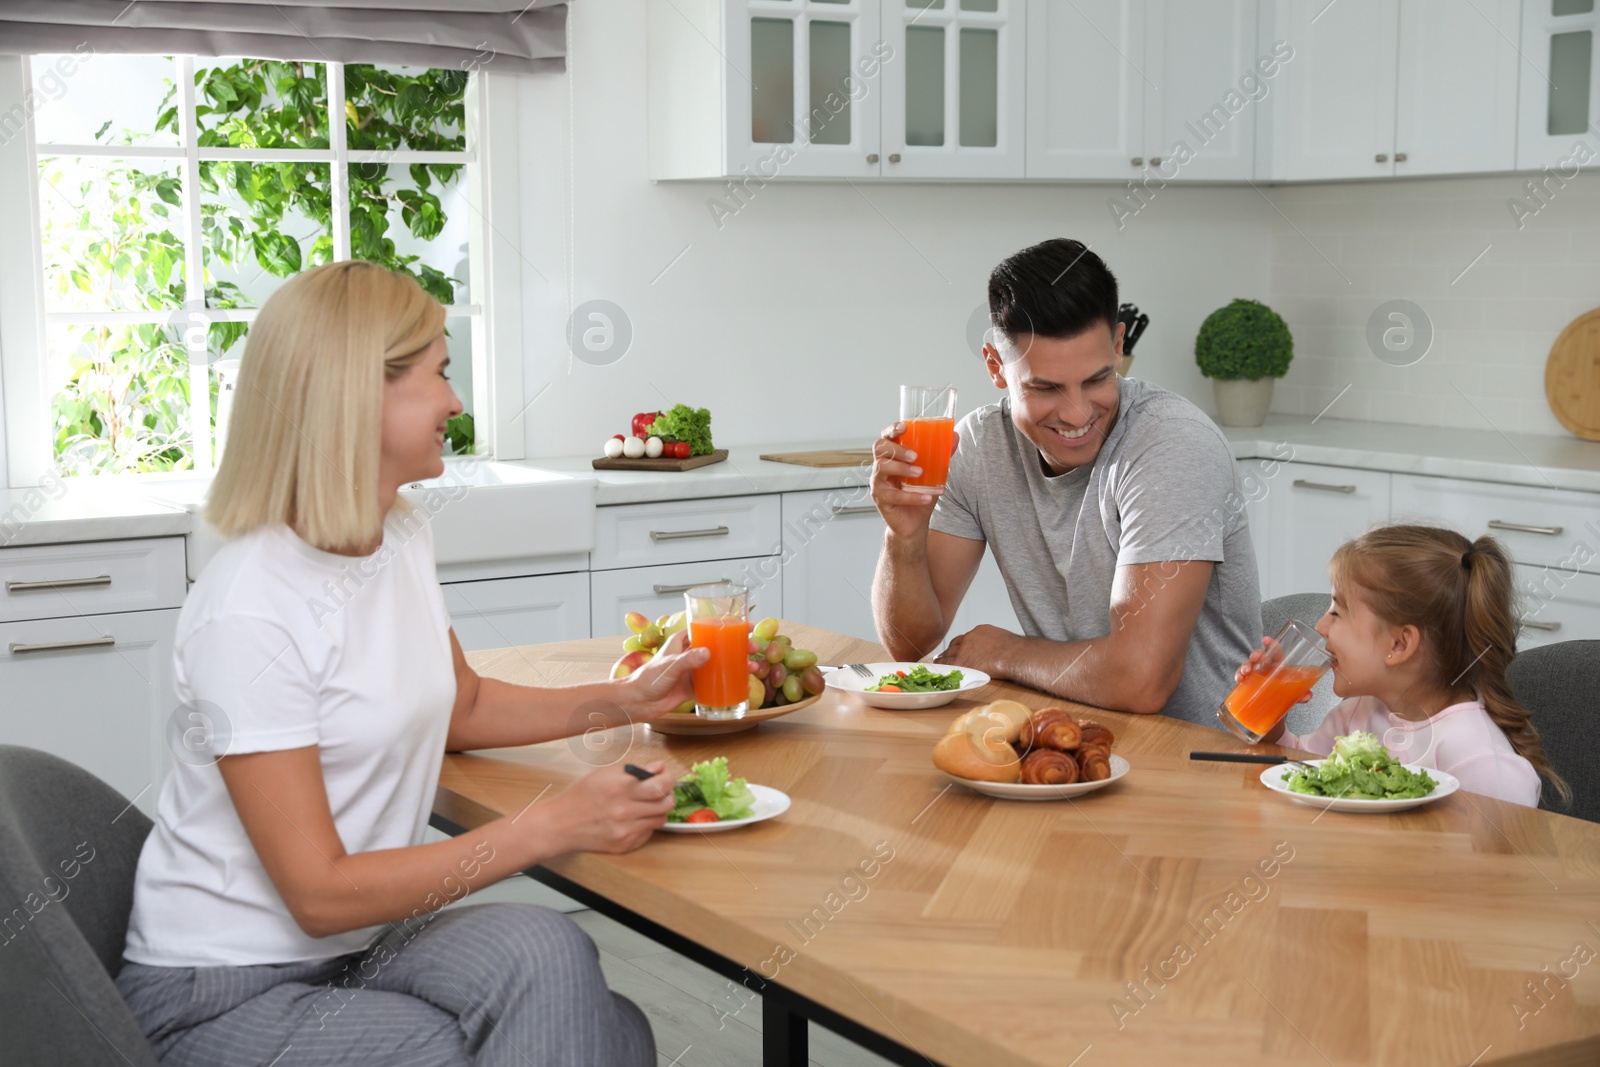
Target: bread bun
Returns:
[[986, 757], [1014, 713]]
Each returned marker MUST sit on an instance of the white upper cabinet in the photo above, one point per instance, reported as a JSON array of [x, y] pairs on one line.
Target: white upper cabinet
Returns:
[[1086, 89], [764, 88], [1334, 113], [1209, 85], [1456, 101], [1560, 100], [953, 88]]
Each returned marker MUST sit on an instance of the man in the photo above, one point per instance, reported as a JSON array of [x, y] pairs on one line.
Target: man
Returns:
[[1110, 506]]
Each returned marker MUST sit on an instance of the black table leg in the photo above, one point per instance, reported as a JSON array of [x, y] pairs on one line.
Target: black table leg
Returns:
[[783, 1032]]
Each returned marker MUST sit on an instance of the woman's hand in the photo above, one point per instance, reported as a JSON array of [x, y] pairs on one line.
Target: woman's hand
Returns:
[[610, 810], [664, 683]]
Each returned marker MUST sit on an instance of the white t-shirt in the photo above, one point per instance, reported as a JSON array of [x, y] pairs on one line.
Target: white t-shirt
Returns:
[[1461, 740], [283, 646]]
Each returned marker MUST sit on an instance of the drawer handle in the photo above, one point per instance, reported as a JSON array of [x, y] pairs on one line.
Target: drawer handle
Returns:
[[669, 590], [1548, 627], [1521, 527], [856, 509], [1301, 483], [685, 535], [56, 646], [58, 583]]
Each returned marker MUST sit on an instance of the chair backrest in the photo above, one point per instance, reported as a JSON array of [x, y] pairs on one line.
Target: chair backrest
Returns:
[[69, 846], [1559, 684], [1307, 608]]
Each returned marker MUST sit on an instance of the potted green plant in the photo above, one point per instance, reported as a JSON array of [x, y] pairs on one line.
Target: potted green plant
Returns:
[[1243, 348]]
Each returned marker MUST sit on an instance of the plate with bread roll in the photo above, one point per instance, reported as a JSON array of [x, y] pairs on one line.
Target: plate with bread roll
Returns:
[[1008, 750]]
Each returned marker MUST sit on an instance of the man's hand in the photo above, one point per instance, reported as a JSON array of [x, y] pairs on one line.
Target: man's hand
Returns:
[[982, 648], [663, 683], [905, 509]]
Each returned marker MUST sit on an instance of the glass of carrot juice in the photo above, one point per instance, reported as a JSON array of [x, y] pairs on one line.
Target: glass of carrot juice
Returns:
[[719, 619], [1289, 667], [929, 412]]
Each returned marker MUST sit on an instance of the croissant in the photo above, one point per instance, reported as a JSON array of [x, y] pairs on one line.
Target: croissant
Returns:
[[1095, 764], [1093, 732], [1048, 766], [1049, 728]]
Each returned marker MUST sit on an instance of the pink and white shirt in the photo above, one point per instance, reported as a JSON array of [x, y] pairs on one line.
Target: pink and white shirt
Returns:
[[1460, 740]]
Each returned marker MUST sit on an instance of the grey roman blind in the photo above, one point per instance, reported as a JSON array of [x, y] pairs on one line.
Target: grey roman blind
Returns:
[[488, 35]]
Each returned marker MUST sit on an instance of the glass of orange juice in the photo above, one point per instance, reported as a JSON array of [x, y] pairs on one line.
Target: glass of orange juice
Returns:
[[929, 412], [719, 619], [1289, 667]]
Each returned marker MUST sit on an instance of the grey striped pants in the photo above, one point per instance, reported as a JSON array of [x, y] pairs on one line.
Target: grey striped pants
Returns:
[[496, 984]]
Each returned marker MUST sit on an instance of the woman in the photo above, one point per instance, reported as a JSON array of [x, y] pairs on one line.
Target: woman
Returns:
[[284, 898]]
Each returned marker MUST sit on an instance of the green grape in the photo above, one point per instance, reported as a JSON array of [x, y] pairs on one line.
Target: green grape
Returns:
[[765, 631], [793, 691], [798, 659]]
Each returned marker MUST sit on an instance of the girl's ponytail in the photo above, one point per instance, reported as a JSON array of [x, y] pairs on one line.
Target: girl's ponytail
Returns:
[[1489, 630]]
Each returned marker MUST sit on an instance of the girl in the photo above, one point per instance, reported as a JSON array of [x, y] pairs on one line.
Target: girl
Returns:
[[284, 898], [1422, 627]]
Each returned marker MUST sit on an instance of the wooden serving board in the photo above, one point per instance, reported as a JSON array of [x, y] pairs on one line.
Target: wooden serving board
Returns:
[[838, 457], [1572, 376], [622, 463]]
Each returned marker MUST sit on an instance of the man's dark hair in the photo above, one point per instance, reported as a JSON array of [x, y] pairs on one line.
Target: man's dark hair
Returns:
[[1057, 288]]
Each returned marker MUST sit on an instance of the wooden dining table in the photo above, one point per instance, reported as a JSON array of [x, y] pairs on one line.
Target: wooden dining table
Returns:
[[1184, 914]]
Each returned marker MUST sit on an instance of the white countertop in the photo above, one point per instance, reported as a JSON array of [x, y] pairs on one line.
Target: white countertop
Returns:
[[108, 509]]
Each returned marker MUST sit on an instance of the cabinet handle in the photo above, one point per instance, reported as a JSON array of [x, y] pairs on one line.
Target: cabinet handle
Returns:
[[1520, 527], [1137, 161], [686, 535], [857, 509], [1381, 157], [18, 649], [872, 157], [1301, 483], [669, 590], [1399, 157], [894, 157], [1155, 161], [58, 583], [1548, 627]]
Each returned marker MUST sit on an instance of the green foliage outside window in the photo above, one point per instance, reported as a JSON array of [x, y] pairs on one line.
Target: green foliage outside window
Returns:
[[124, 406]]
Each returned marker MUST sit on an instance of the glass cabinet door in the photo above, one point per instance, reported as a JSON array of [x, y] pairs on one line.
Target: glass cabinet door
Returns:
[[1559, 109], [803, 88], [953, 89]]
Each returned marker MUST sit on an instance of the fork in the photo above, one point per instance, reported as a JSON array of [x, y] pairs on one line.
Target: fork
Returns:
[[860, 668]]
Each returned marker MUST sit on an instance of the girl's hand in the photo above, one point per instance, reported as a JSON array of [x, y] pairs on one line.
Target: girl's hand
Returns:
[[664, 683], [610, 810], [1253, 665]]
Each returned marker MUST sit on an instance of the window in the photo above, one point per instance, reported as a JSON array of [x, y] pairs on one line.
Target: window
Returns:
[[173, 195]]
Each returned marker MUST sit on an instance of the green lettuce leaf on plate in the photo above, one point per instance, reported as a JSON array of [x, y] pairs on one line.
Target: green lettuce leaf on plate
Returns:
[[1360, 768], [708, 785]]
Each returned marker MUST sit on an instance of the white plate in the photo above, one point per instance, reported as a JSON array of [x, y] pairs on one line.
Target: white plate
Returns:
[[1018, 791], [770, 802], [1272, 778], [848, 681]]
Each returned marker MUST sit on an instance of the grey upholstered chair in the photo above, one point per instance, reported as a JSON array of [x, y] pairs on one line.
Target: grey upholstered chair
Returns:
[[69, 845], [1307, 608], [1560, 685]]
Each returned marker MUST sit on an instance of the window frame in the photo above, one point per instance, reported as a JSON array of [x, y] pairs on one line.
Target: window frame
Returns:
[[489, 185]]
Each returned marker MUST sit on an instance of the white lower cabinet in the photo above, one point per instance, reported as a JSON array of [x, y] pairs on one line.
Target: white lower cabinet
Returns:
[[95, 690], [1312, 510], [1558, 604], [831, 541], [656, 591], [519, 611]]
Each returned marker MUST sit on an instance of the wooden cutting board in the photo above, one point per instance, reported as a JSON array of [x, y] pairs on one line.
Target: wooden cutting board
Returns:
[[1572, 376], [838, 457], [622, 463]]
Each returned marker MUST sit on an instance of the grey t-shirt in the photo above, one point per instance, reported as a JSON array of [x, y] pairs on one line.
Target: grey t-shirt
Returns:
[[1162, 488]]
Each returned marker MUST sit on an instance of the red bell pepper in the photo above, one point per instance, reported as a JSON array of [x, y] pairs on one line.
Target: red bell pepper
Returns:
[[642, 421]]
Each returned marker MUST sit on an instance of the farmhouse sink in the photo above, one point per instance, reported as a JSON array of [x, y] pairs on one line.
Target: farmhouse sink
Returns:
[[480, 510]]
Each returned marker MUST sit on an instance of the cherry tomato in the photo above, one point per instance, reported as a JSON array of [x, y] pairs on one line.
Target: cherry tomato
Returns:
[[680, 449], [890, 689], [901, 673], [703, 815]]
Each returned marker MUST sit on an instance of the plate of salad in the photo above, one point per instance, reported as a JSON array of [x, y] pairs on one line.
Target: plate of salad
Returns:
[[1360, 775], [709, 800], [907, 686]]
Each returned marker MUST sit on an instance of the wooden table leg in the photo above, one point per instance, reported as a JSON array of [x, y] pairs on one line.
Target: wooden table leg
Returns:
[[783, 1032]]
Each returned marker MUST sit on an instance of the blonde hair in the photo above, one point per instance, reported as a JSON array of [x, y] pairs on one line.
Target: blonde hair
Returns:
[[1461, 596], [307, 427]]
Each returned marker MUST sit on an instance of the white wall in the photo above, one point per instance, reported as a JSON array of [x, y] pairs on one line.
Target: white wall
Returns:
[[800, 316], [1412, 240]]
